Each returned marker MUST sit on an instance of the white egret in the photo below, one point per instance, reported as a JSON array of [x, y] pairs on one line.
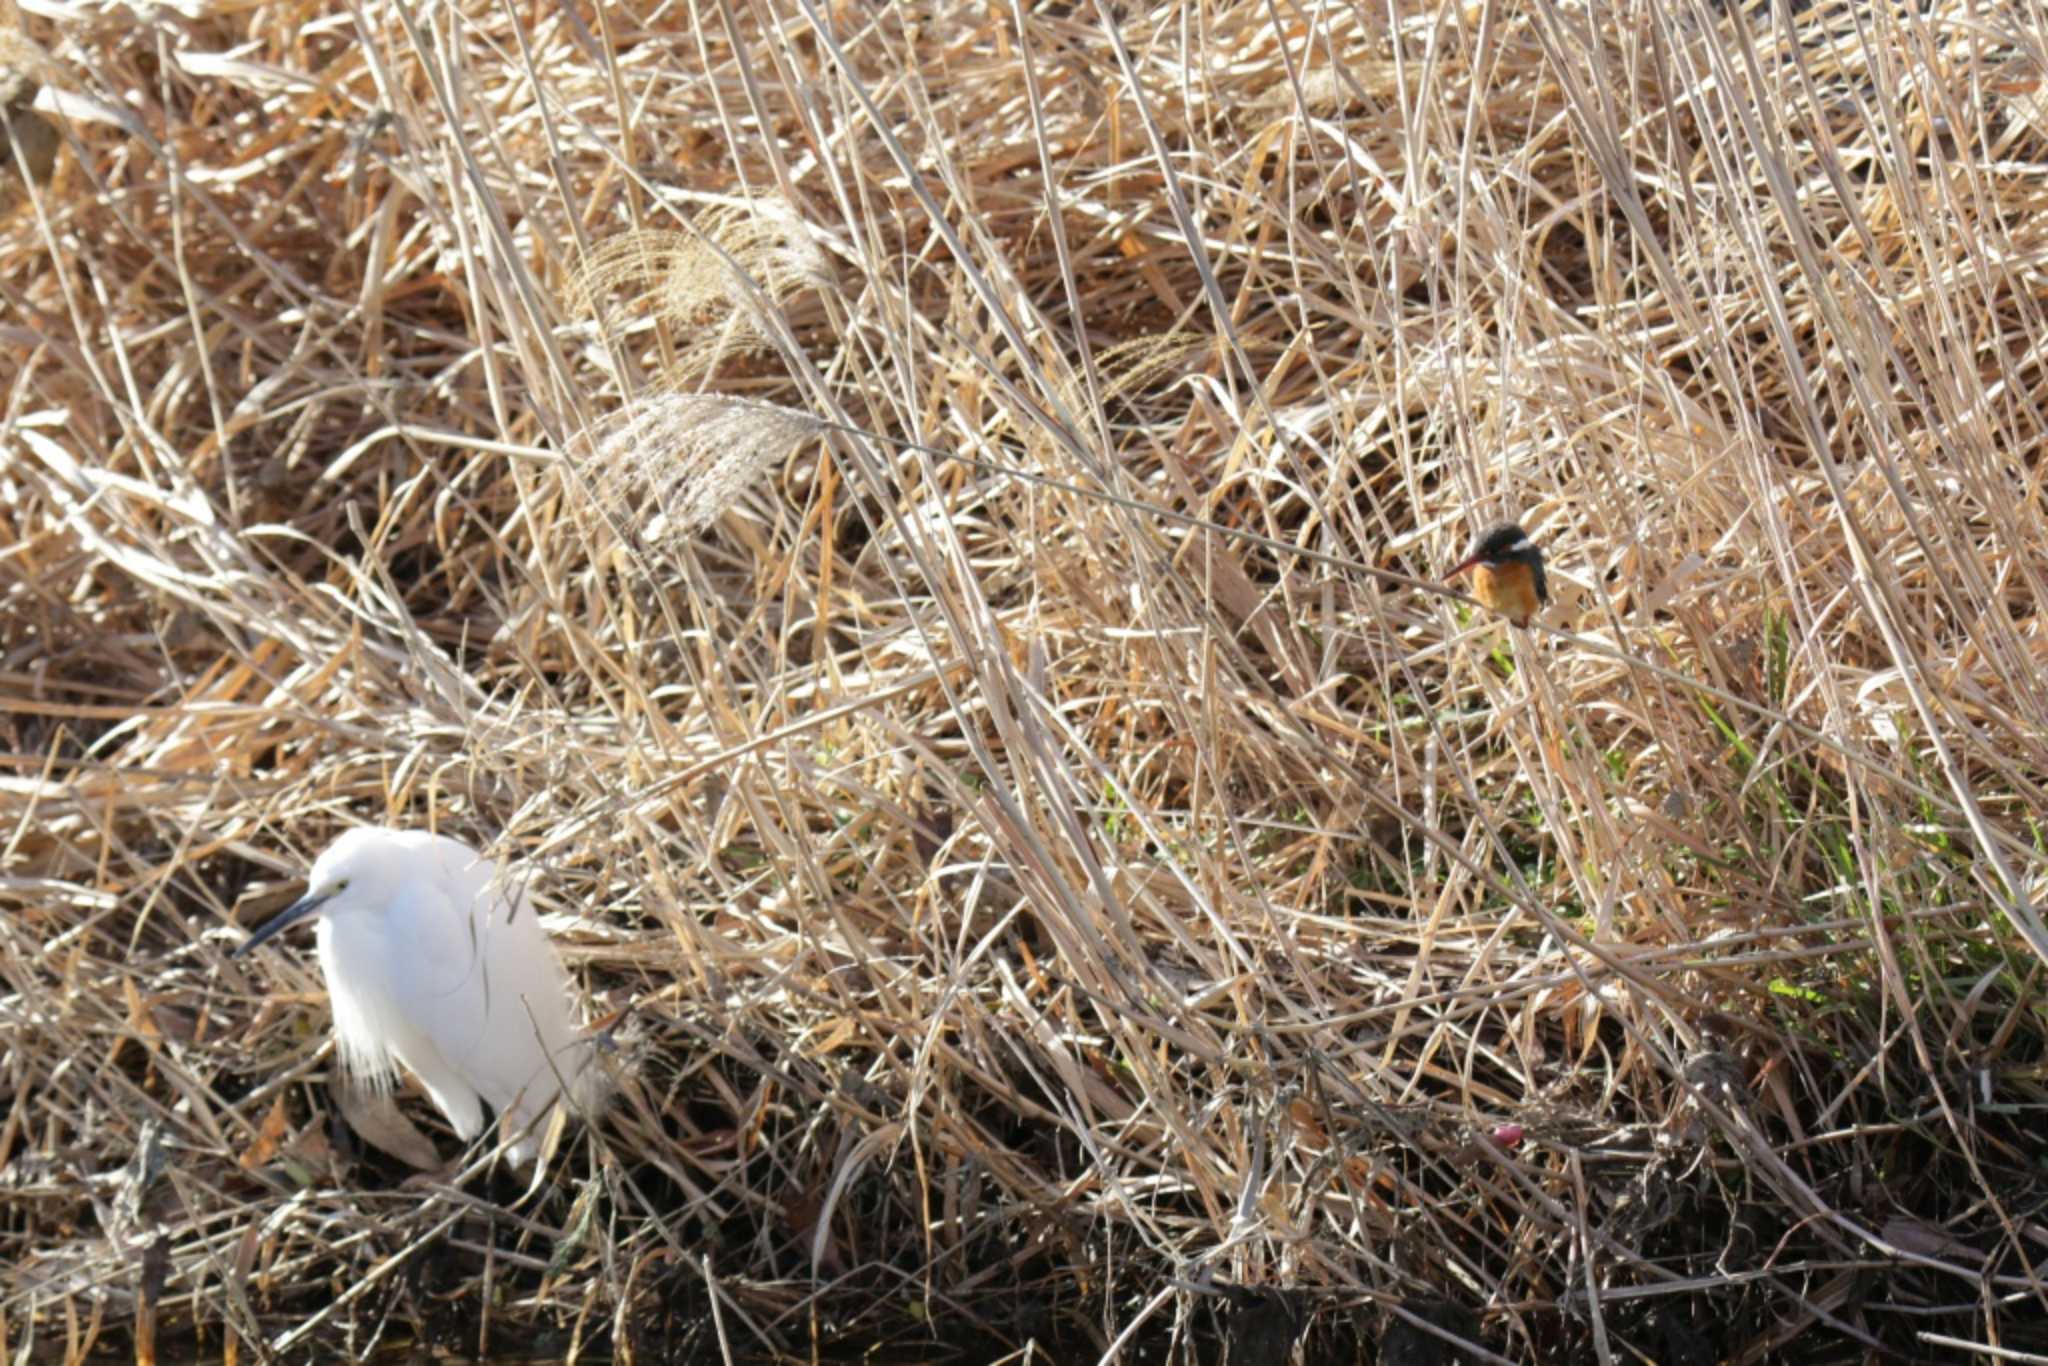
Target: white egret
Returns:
[[433, 960]]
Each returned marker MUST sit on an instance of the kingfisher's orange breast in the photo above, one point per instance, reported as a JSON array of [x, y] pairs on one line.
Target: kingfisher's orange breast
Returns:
[[1509, 588]]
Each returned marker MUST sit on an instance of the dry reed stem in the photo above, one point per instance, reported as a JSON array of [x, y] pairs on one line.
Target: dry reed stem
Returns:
[[1044, 856]]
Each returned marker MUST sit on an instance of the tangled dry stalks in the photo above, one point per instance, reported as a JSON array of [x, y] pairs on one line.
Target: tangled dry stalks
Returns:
[[907, 521]]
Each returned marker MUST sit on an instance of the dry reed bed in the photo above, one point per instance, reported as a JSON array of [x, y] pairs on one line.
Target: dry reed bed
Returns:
[[1049, 854]]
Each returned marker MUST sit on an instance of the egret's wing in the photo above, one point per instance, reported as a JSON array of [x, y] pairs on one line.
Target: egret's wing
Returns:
[[505, 1028], [435, 985], [530, 1027]]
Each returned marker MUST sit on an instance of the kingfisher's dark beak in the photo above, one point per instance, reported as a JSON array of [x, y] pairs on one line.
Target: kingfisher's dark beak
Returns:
[[291, 915], [1464, 565]]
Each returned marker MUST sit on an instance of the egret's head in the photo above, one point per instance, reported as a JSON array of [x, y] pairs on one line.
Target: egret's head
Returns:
[[349, 873]]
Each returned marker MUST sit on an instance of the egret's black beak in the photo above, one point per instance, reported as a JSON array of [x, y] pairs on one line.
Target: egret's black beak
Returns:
[[284, 919]]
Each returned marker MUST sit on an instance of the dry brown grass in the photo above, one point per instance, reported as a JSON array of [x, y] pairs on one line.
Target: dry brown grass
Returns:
[[1053, 858]]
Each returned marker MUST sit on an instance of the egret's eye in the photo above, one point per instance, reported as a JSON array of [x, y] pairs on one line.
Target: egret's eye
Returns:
[[341, 886]]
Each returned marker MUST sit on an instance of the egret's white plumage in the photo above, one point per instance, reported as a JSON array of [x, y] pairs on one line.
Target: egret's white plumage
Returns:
[[435, 961]]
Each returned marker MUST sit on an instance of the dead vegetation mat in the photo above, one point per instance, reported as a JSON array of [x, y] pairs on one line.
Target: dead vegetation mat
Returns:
[[912, 523]]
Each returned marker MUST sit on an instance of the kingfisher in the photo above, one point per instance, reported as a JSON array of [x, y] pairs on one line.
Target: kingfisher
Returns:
[[1507, 572]]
